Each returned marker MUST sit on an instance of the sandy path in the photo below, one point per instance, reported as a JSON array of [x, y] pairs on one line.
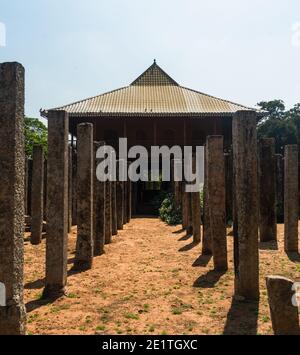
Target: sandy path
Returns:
[[150, 281]]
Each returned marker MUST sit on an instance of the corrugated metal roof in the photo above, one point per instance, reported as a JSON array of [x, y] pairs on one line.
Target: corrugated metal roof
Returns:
[[153, 93]]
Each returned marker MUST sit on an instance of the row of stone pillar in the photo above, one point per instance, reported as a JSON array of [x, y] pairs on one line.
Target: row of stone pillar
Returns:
[[74, 196]]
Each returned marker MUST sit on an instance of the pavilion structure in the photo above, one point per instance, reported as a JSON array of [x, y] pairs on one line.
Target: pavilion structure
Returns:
[[154, 110]]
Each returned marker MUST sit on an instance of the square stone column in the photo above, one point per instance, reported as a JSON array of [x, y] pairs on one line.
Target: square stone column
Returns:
[[291, 198], [129, 200], [99, 209], [217, 200], [207, 233], [57, 204], [114, 219], [267, 183], [108, 213], [37, 196], [70, 189], [120, 203], [246, 204], [85, 199], [196, 212], [12, 167]]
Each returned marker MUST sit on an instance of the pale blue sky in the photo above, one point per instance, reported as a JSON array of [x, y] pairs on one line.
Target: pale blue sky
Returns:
[[74, 49]]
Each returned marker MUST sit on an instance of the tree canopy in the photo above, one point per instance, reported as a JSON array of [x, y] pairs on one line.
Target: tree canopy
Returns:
[[281, 124], [36, 133]]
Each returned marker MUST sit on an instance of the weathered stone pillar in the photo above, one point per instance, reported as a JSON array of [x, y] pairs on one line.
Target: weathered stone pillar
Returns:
[[30, 165], [184, 204], [120, 203], [196, 212], [291, 198], [45, 189], [26, 187], [85, 199], [267, 186], [57, 204], [99, 209], [108, 213], [125, 218], [280, 187], [217, 200], [229, 186], [70, 189], [284, 315], [207, 233], [246, 198], [37, 196], [74, 188], [114, 220], [129, 200], [12, 166]]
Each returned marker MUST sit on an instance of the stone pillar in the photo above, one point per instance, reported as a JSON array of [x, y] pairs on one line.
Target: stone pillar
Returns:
[[74, 187], [280, 187], [70, 189], [37, 196], [45, 189], [217, 200], [229, 186], [99, 209], [108, 213], [196, 212], [30, 165], [26, 187], [114, 219], [246, 187], [207, 236], [267, 186], [184, 204], [12, 166], [284, 315], [85, 199], [291, 198], [57, 204], [120, 203], [125, 218], [129, 201]]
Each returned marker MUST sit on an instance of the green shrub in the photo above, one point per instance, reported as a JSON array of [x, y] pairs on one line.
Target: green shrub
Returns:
[[169, 213]]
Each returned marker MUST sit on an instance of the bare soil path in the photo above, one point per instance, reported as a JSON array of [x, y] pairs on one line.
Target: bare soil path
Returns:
[[151, 280]]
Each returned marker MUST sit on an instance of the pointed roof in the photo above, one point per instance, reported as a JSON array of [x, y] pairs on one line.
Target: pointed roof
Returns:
[[154, 93], [154, 76]]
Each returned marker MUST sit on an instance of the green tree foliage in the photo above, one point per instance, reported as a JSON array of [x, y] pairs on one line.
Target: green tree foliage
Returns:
[[280, 124], [36, 133]]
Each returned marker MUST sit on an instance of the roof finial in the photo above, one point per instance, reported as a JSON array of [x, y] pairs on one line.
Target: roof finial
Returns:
[[154, 61]]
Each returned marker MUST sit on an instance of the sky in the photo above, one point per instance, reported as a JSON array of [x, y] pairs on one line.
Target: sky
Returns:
[[245, 51]]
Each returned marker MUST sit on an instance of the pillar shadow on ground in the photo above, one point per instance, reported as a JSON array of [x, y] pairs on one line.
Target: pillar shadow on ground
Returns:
[[35, 304], [272, 245], [35, 285], [188, 247], [294, 257], [209, 280], [179, 231], [185, 238], [242, 318], [202, 261]]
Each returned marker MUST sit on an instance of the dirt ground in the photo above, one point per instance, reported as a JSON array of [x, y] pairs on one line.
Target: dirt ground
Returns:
[[152, 281]]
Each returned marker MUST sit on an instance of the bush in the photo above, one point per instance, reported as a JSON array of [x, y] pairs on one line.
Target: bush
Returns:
[[169, 213]]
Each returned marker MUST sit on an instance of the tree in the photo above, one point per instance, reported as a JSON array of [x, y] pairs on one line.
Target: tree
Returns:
[[282, 125], [36, 133]]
